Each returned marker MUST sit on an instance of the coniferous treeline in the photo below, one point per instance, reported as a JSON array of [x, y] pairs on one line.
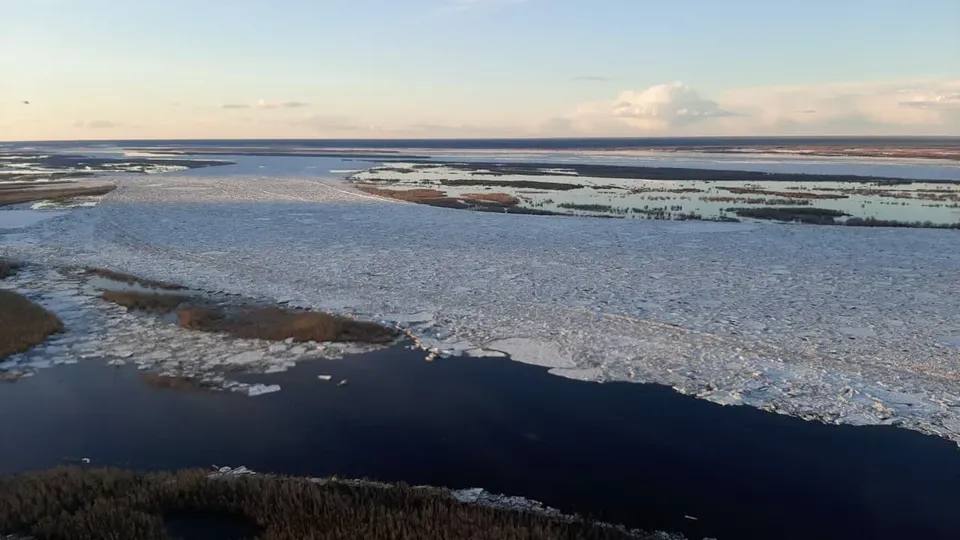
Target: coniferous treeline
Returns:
[[87, 504]]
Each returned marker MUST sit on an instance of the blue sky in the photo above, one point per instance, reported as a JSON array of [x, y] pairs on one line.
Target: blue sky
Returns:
[[98, 69]]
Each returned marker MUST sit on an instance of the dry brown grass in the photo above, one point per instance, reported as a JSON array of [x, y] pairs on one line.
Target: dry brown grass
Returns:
[[270, 323], [502, 199], [277, 324], [432, 197], [23, 324], [22, 194], [157, 302]]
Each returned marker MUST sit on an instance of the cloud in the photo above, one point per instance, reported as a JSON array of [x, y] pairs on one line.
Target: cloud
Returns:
[[456, 130], [942, 101], [281, 105], [263, 104], [666, 104], [659, 108], [327, 122], [869, 108], [95, 124], [892, 107]]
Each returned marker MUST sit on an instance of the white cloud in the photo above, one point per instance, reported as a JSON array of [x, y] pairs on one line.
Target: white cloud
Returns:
[[95, 124], [902, 107], [263, 104], [898, 107], [659, 108], [666, 105], [327, 122], [940, 101], [281, 105]]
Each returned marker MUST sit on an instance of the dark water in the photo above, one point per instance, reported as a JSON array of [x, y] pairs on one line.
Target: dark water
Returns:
[[638, 454]]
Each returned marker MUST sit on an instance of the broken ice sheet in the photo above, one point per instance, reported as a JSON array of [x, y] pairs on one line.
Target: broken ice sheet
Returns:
[[689, 305]]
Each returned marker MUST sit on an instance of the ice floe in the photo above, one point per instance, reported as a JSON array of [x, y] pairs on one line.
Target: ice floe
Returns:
[[833, 324]]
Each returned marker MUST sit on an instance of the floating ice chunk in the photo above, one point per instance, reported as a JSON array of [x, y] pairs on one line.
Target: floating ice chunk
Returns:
[[246, 357], [325, 377], [856, 332], [235, 471], [470, 495], [276, 368], [39, 364], [260, 389]]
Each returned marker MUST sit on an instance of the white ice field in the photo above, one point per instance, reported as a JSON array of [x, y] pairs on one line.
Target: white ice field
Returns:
[[839, 324]]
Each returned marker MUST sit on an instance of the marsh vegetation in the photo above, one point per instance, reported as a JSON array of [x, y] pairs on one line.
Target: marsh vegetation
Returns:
[[668, 193]]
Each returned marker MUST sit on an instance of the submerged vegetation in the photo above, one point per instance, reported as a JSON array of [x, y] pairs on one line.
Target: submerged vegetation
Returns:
[[783, 194], [90, 504], [826, 216], [871, 222], [816, 216], [666, 193], [522, 184], [161, 303], [635, 172], [129, 279]]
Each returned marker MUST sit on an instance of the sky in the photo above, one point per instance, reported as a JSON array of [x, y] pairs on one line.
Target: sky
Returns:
[[97, 69]]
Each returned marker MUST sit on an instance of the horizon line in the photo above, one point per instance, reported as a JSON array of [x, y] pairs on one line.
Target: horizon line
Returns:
[[521, 138]]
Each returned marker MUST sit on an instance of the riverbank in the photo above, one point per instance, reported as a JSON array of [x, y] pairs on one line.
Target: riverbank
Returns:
[[71, 503], [16, 193]]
